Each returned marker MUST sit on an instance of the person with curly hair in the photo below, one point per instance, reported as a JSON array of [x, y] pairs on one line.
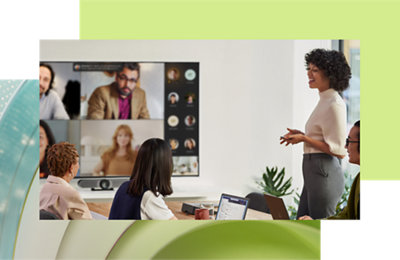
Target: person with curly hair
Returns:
[[57, 196], [325, 134], [120, 158]]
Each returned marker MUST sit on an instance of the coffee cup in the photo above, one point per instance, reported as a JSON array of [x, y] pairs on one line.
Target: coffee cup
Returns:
[[201, 214]]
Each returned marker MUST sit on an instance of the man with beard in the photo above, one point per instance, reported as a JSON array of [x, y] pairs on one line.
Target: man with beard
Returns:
[[121, 99]]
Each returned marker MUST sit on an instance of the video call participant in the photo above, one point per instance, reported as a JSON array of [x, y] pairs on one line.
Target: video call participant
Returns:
[[57, 195], [173, 74], [172, 99], [46, 140], [140, 197], [51, 106], [352, 210], [190, 98], [189, 144], [173, 143], [324, 135], [120, 158], [121, 99]]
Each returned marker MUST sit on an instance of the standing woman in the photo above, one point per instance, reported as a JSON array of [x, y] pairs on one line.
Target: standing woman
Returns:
[[325, 134], [140, 197], [120, 158]]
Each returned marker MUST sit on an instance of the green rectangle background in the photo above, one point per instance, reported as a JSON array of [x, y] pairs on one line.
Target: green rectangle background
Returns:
[[374, 23]]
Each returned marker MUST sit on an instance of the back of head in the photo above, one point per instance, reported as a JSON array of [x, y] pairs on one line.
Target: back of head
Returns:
[[153, 168], [60, 157]]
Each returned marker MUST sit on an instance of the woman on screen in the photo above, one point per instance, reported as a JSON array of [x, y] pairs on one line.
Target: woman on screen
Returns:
[[120, 158], [141, 196], [190, 144], [325, 134], [46, 140], [57, 195]]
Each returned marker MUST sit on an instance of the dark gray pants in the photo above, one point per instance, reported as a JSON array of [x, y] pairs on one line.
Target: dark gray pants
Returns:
[[323, 185]]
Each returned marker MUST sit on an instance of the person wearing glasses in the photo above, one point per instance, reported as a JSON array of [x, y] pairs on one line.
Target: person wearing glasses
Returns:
[[325, 133], [122, 99], [352, 209]]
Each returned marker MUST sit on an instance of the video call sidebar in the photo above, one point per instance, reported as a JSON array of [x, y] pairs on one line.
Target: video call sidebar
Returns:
[[181, 128]]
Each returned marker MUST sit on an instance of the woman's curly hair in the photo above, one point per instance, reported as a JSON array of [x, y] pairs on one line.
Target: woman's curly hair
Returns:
[[333, 64], [60, 157]]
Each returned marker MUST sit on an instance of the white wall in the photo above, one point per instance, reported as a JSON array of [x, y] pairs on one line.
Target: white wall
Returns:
[[250, 91]]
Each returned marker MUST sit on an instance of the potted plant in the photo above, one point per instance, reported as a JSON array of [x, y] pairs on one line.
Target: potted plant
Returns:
[[272, 182]]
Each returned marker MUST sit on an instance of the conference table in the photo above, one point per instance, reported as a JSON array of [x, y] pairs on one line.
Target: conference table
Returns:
[[103, 208]]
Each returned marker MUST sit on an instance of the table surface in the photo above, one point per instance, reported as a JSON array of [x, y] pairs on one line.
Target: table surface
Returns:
[[103, 208], [102, 196]]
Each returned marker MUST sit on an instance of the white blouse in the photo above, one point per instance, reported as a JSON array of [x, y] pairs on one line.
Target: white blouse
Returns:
[[327, 123], [154, 207]]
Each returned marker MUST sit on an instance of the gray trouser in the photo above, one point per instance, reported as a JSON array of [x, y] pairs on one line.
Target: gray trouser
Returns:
[[323, 185]]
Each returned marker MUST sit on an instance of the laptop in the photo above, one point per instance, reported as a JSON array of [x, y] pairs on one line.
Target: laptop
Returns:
[[276, 207], [232, 207]]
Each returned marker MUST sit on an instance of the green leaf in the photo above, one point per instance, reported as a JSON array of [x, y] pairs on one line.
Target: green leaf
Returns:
[[273, 182]]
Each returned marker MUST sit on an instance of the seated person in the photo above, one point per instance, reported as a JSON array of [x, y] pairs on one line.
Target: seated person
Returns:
[[51, 106], [140, 197], [122, 99], [120, 158], [352, 210], [57, 195], [46, 140]]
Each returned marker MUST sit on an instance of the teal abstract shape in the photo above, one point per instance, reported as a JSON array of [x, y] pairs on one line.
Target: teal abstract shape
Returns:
[[19, 157]]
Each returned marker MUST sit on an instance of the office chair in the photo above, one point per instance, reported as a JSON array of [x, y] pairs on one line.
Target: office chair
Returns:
[[47, 215], [258, 202]]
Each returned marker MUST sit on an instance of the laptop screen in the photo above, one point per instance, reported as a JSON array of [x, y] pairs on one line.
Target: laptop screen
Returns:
[[232, 208]]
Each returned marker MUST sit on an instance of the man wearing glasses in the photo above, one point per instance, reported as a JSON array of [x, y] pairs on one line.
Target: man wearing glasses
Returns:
[[352, 210], [121, 99]]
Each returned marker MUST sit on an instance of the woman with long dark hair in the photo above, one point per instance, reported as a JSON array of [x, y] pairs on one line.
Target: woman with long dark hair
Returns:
[[46, 140], [141, 196]]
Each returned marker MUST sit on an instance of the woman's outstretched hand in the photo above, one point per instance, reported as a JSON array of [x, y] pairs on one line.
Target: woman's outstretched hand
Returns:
[[294, 136]]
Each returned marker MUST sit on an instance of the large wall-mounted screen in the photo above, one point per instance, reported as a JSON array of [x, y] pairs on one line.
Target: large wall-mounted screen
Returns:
[[108, 109]]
